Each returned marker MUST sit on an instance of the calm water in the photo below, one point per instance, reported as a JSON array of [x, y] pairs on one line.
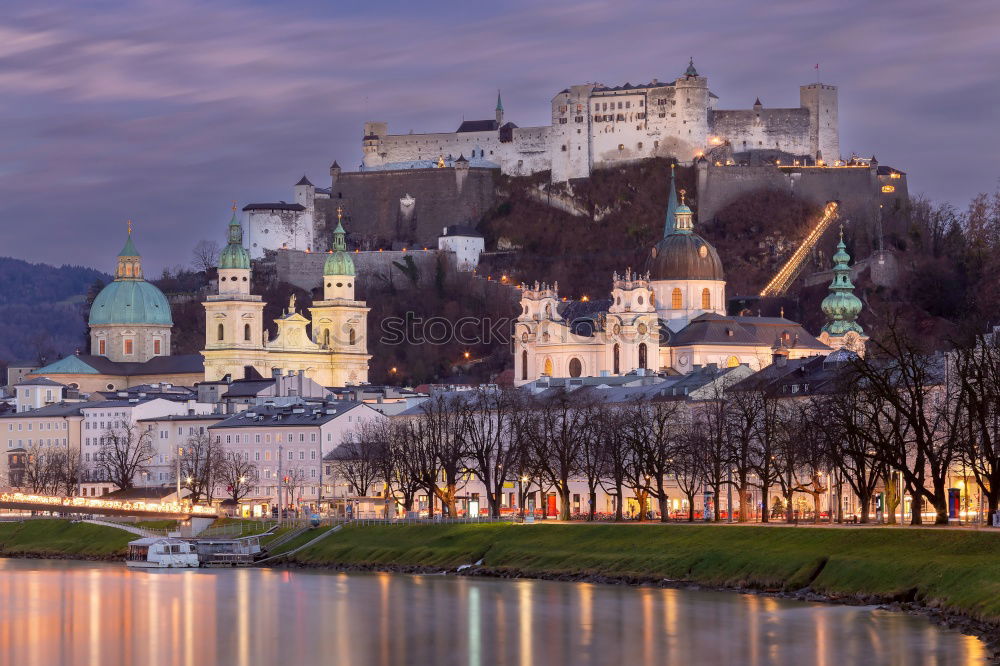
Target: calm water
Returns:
[[103, 614]]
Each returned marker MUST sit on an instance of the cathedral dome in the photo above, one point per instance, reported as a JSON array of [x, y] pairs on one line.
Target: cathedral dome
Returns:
[[130, 299], [682, 254], [685, 257], [130, 302]]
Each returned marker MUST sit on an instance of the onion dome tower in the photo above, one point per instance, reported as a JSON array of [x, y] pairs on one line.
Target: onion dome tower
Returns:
[[130, 318], [685, 271], [842, 307], [340, 323], [338, 270], [234, 261]]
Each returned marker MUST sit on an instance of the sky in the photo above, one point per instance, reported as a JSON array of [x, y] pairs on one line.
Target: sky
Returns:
[[165, 111]]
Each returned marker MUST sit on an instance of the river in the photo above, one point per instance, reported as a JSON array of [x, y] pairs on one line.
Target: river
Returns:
[[102, 614]]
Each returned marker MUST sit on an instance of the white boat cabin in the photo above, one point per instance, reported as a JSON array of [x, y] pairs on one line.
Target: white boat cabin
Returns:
[[161, 553]]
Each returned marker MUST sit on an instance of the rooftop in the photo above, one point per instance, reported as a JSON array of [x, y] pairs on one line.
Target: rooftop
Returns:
[[298, 415]]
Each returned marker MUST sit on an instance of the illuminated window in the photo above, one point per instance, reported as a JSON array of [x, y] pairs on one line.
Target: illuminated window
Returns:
[[732, 362], [548, 367], [888, 188], [706, 299], [894, 175], [128, 346], [675, 299]]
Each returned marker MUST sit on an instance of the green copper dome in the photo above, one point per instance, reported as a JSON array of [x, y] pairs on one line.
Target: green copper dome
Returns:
[[130, 302], [339, 262], [234, 255], [130, 299], [841, 306]]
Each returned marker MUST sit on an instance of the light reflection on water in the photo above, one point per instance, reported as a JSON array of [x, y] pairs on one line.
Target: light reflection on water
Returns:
[[80, 613]]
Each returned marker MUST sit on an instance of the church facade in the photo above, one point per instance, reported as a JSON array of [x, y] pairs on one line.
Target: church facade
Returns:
[[670, 318], [330, 345]]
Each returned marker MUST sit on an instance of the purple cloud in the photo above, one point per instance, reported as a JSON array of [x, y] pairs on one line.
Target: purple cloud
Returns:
[[164, 112]]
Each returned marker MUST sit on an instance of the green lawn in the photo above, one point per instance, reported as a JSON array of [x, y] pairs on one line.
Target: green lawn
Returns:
[[948, 568], [953, 569], [61, 538]]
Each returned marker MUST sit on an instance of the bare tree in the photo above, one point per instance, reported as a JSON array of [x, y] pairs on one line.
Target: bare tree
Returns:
[[124, 452], [68, 470], [401, 476], [493, 425], [201, 465], [687, 463], [849, 433], [656, 438], [977, 372], [359, 458], [238, 474], [41, 474], [555, 439], [294, 481], [440, 430], [913, 387], [205, 255]]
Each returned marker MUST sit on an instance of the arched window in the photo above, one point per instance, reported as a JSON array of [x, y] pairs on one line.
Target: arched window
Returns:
[[326, 338], [575, 367], [222, 332], [524, 366], [617, 359], [102, 347], [548, 367], [246, 332], [675, 299], [642, 354], [352, 337], [706, 299], [732, 362]]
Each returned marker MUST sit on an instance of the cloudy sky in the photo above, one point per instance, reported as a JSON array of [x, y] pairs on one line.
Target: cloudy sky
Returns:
[[164, 111]]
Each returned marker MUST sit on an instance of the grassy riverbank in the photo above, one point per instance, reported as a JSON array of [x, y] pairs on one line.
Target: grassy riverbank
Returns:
[[61, 539], [948, 569], [955, 570]]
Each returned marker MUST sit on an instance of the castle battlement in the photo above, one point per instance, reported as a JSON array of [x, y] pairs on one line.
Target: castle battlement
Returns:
[[595, 125]]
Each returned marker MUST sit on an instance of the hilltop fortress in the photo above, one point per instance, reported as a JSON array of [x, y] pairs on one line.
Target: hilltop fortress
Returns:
[[595, 126], [411, 186]]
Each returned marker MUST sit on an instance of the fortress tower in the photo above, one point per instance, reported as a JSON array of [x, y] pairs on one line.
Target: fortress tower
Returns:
[[824, 132]]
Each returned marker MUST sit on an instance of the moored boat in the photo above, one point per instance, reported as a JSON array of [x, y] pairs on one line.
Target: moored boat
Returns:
[[161, 553]]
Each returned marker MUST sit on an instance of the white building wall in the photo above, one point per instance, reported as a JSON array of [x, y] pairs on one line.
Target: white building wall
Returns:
[[669, 120], [466, 248]]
